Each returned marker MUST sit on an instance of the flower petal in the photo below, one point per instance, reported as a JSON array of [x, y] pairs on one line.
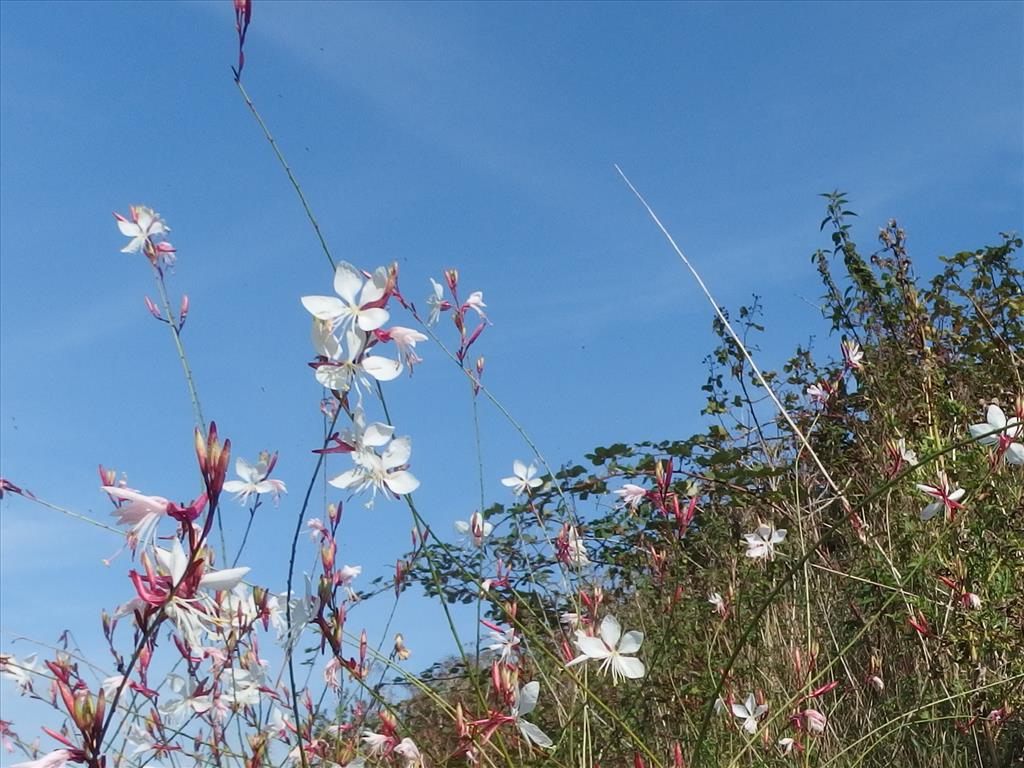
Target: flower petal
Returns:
[[347, 479], [382, 368], [528, 698], [373, 318], [591, 647], [220, 581], [347, 282], [324, 307], [401, 482], [629, 666], [611, 631], [631, 641], [534, 734], [397, 453]]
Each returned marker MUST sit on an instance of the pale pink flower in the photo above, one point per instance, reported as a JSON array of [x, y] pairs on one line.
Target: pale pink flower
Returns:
[[631, 496], [820, 392], [405, 339], [332, 670], [853, 355], [410, 753], [141, 512], [815, 720], [377, 744]]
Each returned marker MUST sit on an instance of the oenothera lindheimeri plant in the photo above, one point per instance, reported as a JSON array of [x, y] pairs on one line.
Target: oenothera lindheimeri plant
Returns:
[[828, 574]]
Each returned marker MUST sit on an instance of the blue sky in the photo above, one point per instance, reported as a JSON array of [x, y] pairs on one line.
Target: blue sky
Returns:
[[480, 136]]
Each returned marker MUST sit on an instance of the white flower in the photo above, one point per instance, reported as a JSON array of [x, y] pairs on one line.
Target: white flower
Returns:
[[505, 645], [1010, 430], [761, 543], [945, 498], [384, 472], [718, 602], [786, 744], [853, 355], [376, 743], [525, 702], [145, 225], [631, 496], [186, 703], [360, 301], [571, 548], [749, 712], [409, 753], [342, 365], [610, 649], [111, 684], [303, 611], [20, 671], [476, 528], [241, 689], [187, 613], [436, 302], [820, 392], [476, 302], [254, 479], [906, 454], [523, 478], [56, 759], [362, 435]]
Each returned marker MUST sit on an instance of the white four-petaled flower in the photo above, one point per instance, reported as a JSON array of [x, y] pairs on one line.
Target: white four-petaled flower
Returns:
[[1002, 433], [358, 301], [144, 226], [255, 479], [476, 528], [631, 495], [749, 712], [523, 478], [945, 497], [381, 472], [611, 649], [761, 543]]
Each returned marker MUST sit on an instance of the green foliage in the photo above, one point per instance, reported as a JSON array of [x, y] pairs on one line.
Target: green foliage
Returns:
[[857, 569]]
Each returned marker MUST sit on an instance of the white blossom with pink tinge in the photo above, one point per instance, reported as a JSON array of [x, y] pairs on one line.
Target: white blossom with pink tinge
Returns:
[[611, 648], [350, 307]]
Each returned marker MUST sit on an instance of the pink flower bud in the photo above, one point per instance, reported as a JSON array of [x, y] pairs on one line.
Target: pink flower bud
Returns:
[[153, 310], [183, 312]]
